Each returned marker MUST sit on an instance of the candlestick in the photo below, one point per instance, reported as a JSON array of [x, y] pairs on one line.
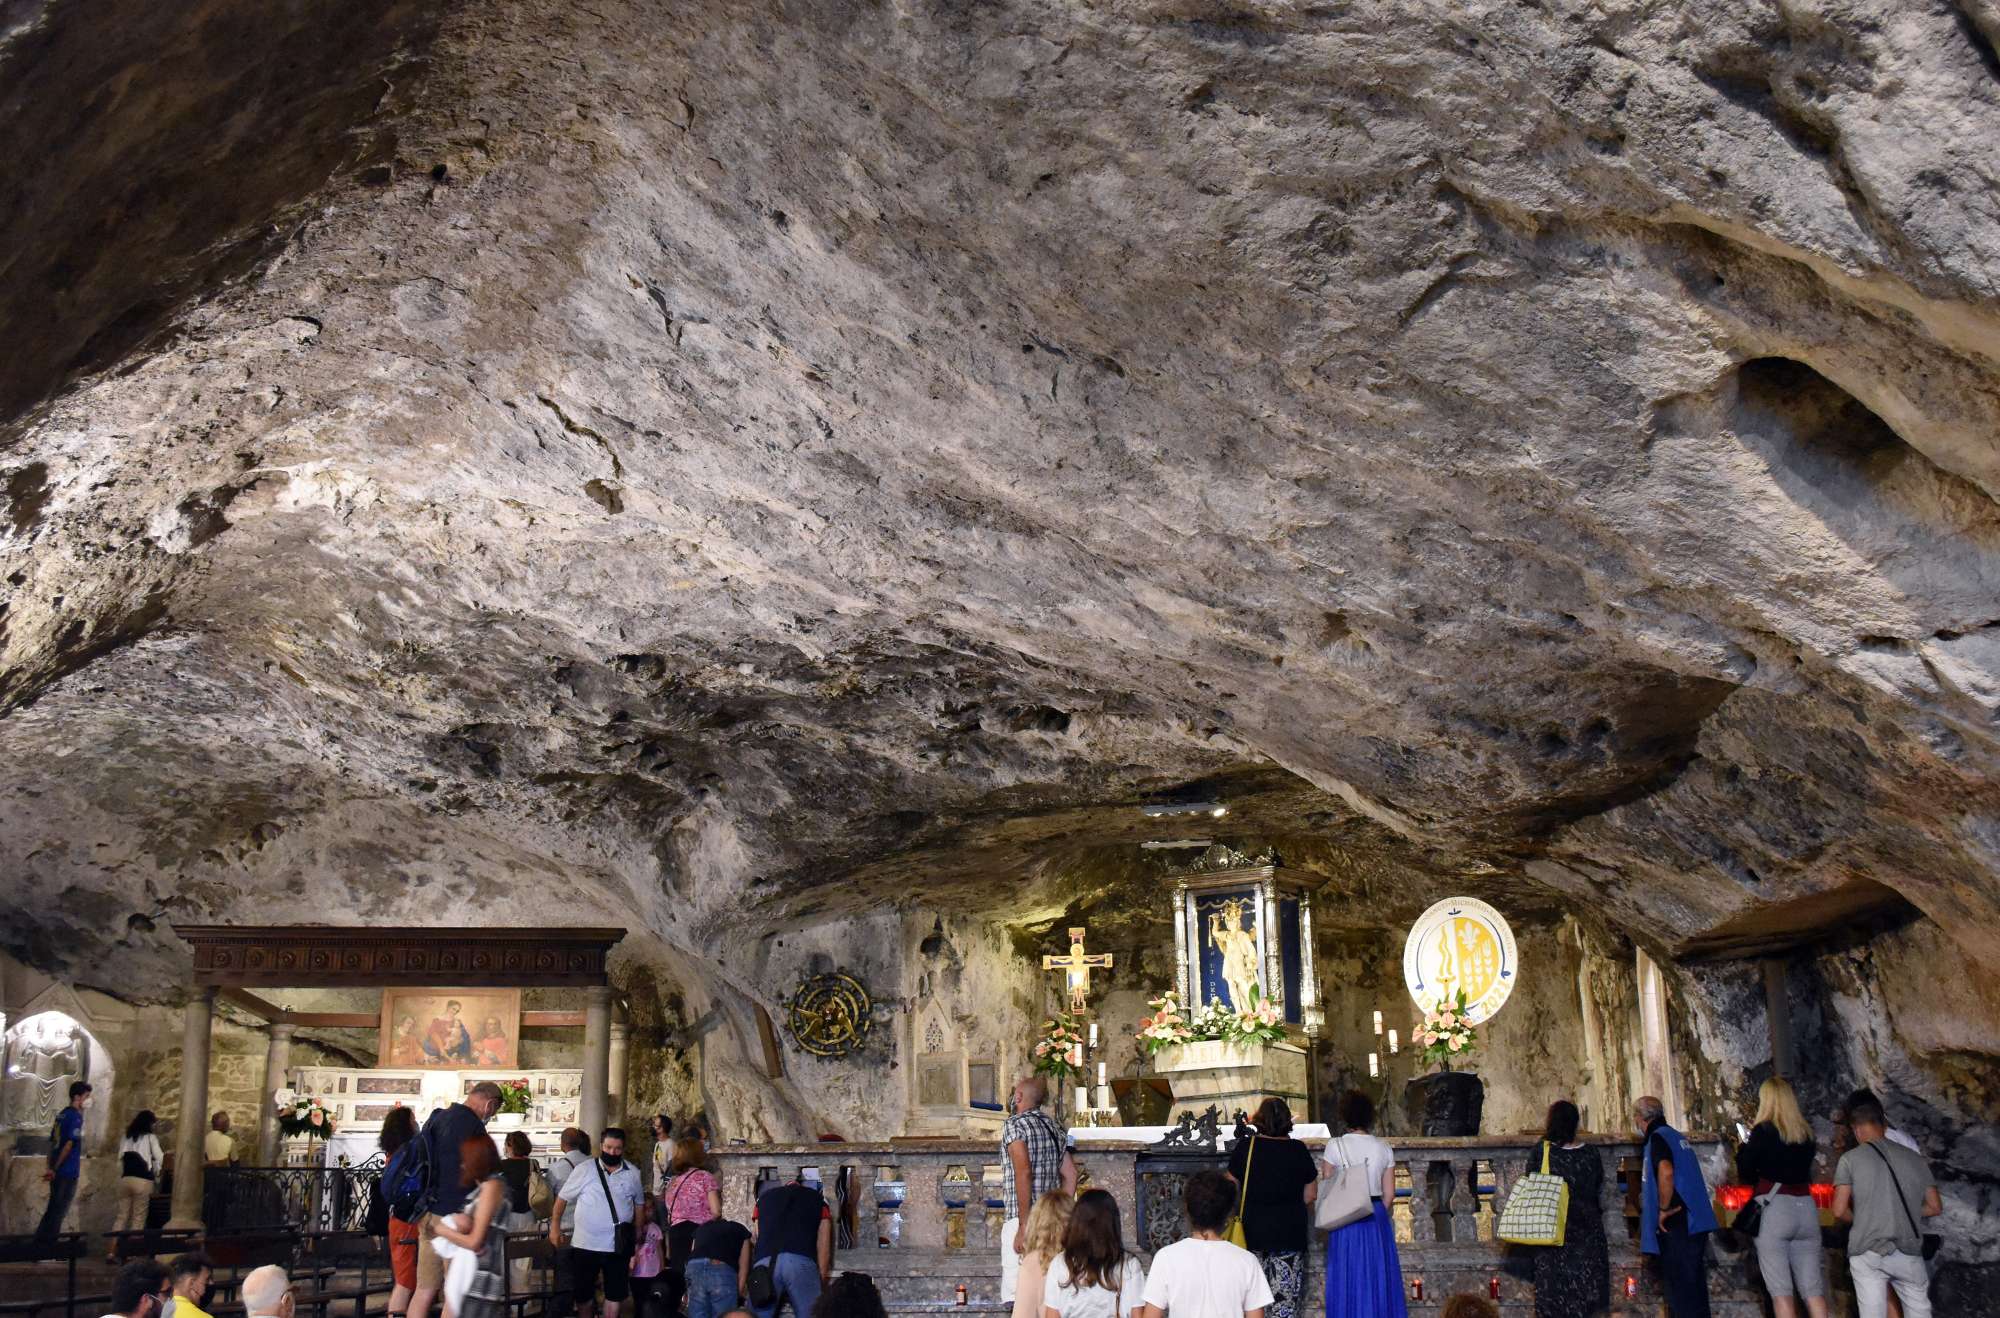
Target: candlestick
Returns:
[[1374, 1066], [1378, 1022], [1393, 1046]]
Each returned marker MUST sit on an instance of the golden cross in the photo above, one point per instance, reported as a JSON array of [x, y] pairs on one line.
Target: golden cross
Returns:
[[1077, 967]]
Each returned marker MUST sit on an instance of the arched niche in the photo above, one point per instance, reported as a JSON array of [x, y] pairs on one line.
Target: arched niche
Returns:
[[46, 1049]]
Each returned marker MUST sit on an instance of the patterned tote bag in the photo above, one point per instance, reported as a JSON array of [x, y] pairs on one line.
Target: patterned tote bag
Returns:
[[1538, 1210]]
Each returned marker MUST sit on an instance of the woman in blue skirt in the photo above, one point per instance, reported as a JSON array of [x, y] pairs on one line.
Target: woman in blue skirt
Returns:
[[1364, 1278]]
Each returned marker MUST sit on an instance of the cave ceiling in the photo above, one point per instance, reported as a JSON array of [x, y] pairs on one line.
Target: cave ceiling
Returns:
[[714, 467]]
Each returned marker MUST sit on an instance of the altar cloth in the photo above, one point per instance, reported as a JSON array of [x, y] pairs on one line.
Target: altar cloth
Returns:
[[1088, 1135]]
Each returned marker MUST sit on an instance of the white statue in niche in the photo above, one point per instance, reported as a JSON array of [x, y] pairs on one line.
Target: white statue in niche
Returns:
[[44, 1053], [1238, 947]]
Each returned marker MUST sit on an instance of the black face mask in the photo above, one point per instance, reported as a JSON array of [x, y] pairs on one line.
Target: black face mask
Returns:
[[613, 1159]]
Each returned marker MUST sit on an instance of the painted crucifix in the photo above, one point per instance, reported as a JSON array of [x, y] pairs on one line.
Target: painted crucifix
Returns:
[[1076, 967]]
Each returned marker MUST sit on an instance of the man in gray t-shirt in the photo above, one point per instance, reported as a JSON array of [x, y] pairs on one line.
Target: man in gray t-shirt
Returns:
[[1885, 1190]]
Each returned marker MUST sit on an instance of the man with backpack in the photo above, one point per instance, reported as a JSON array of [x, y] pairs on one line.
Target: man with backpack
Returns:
[[65, 1165], [575, 1154], [440, 1193]]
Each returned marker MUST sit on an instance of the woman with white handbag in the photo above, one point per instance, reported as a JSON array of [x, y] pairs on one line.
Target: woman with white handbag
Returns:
[[1364, 1276]]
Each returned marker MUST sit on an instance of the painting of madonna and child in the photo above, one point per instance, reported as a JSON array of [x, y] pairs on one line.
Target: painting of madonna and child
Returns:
[[452, 1029]]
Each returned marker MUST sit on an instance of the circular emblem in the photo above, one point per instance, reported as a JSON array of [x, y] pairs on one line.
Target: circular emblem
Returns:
[[829, 1014], [1461, 943]]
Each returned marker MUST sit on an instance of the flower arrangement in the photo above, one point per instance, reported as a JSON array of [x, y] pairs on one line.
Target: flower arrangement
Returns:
[[514, 1095], [1167, 1027], [299, 1115], [1059, 1052], [1171, 1025], [1259, 1023], [1446, 1031]]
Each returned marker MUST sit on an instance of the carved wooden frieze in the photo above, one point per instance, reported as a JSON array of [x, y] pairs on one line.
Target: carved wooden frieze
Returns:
[[334, 956]]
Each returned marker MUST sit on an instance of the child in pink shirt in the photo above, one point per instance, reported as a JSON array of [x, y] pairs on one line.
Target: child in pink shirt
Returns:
[[648, 1254]]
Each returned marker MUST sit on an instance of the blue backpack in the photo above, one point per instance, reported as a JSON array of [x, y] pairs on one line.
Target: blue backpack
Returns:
[[407, 1179]]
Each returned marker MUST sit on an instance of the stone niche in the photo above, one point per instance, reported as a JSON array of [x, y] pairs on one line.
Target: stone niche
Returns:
[[952, 1092], [964, 1027]]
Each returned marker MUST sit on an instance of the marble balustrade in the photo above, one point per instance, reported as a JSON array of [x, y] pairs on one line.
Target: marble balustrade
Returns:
[[935, 1194]]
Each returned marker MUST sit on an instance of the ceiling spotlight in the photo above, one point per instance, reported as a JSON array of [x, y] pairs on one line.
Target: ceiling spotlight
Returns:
[[1176, 844], [1209, 808]]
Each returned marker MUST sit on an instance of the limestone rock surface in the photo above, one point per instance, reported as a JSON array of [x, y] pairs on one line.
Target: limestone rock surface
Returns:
[[724, 466]]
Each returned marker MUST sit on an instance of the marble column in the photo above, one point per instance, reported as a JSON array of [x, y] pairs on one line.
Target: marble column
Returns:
[[277, 1060], [192, 1123], [615, 1082], [593, 1104]]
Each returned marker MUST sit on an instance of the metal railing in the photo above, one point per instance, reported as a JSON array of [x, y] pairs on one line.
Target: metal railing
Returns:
[[306, 1199]]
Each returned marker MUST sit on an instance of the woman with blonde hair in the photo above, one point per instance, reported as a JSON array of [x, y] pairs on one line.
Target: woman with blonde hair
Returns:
[[1047, 1221], [1778, 1160]]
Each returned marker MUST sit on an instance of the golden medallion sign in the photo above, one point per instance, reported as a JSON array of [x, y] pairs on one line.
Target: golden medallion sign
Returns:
[[1461, 943]]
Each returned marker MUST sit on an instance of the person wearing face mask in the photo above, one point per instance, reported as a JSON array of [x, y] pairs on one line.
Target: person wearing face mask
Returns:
[[444, 1135], [1676, 1214], [607, 1194], [191, 1274], [140, 1290], [65, 1165], [1034, 1159]]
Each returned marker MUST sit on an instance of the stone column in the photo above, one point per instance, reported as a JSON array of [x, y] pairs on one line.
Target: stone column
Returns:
[[592, 1105], [194, 1109], [614, 1085], [1778, 1009], [277, 1059]]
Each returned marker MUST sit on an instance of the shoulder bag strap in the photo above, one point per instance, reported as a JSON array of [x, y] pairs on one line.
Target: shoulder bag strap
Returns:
[[1243, 1191], [609, 1202], [1905, 1203], [1545, 1157]]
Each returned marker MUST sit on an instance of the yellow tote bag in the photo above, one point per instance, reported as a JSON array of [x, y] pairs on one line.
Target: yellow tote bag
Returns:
[[1538, 1211]]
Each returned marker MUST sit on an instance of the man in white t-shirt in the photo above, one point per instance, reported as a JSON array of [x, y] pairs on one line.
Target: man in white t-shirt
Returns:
[[1205, 1276]]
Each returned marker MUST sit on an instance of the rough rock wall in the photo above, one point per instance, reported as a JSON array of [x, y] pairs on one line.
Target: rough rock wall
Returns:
[[1904, 1013], [732, 467]]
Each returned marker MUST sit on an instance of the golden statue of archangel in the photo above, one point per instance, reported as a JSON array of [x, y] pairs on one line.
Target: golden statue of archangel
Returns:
[[1238, 947]]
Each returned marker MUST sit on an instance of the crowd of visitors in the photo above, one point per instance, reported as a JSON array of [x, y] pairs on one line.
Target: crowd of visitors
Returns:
[[449, 1201]]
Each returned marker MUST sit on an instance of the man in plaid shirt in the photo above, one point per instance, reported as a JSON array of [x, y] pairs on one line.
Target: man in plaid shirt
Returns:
[[1035, 1153]]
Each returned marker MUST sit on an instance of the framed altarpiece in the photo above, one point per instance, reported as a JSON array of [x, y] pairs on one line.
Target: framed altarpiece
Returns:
[[1243, 930]]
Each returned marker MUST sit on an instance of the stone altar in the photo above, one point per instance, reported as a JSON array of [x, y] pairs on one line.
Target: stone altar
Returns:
[[1233, 1076]]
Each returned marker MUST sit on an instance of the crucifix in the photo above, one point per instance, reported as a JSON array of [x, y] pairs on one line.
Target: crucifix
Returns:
[[1076, 967]]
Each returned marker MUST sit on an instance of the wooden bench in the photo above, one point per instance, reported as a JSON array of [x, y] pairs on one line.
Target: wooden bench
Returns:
[[320, 1284], [150, 1243], [68, 1246], [551, 1293]]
